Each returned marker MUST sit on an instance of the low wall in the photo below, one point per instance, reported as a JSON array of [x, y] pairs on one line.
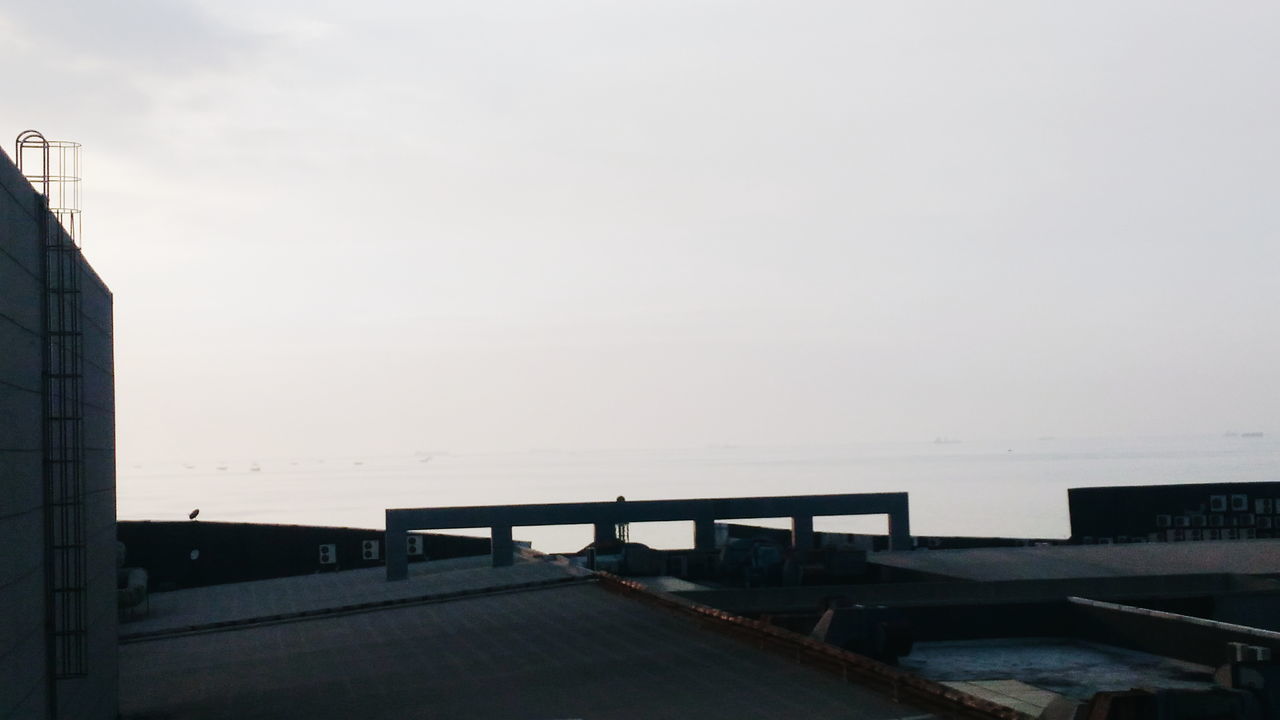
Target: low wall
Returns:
[[1179, 636], [238, 552]]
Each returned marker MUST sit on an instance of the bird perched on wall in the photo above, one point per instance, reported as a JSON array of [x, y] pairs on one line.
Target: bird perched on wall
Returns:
[[193, 514]]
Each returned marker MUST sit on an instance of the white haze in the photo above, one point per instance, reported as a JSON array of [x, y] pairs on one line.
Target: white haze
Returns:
[[337, 227]]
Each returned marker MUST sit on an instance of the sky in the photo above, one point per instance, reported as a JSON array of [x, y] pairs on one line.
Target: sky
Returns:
[[383, 227]]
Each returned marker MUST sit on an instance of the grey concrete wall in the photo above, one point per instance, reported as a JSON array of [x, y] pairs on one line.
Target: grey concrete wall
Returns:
[[1180, 636], [25, 690]]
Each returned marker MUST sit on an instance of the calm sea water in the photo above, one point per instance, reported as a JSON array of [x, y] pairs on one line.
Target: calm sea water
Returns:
[[969, 488]]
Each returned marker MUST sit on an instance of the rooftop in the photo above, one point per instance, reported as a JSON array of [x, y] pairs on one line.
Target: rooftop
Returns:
[[535, 640], [1245, 557]]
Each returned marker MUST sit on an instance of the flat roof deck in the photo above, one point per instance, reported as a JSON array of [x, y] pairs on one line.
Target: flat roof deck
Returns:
[[1244, 557], [216, 605], [562, 650]]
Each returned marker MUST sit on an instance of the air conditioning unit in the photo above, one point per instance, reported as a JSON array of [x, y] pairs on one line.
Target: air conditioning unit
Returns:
[[1199, 521], [413, 544], [1181, 521], [368, 549], [1264, 523], [1195, 534], [1216, 521], [1212, 534], [1163, 521], [1217, 503], [1239, 503], [1244, 652], [1247, 534], [1264, 506], [328, 554]]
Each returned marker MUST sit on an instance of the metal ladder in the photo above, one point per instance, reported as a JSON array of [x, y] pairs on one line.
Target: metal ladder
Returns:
[[63, 415]]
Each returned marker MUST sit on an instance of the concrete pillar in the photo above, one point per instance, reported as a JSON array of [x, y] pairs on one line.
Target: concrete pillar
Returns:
[[397, 553], [704, 534], [606, 533], [502, 546], [900, 528], [802, 533]]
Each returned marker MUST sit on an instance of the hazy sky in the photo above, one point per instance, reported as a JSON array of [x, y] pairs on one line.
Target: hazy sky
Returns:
[[344, 228]]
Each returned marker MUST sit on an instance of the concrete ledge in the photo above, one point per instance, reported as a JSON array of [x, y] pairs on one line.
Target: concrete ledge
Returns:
[[1193, 639]]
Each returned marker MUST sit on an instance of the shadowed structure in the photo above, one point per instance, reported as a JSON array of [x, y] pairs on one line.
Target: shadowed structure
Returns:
[[606, 516]]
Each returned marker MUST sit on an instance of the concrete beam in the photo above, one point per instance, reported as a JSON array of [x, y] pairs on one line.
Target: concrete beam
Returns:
[[704, 513]]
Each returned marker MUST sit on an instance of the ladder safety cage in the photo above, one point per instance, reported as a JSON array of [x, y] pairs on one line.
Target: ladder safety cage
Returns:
[[57, 179]]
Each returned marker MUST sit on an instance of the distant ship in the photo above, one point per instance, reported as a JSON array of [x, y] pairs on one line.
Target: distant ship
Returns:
[[1251, 434], [254, 468]]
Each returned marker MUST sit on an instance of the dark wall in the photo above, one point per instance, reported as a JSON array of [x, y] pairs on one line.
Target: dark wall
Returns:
[[873, 542], [1206, 511], [1148, 590], [1200, 642], [25, 680], [237, 552]]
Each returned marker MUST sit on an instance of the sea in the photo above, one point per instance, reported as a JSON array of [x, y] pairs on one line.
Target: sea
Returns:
[[971, 488]]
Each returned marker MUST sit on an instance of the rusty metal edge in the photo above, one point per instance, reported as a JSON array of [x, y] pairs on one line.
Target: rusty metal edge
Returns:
[[902, 686]]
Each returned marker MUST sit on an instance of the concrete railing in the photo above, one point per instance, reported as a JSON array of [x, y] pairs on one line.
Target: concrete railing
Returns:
[[1193, 639], [605, 516]]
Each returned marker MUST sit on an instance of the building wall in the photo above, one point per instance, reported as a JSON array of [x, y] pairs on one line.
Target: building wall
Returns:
[[26, 689], [1174, 513]]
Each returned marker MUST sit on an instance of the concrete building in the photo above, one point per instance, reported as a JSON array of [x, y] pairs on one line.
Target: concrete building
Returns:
[[57, 468], [1175, 513]]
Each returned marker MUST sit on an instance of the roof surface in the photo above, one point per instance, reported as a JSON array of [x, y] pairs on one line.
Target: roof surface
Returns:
[[556, 651], [1246, 557], [244, 602]]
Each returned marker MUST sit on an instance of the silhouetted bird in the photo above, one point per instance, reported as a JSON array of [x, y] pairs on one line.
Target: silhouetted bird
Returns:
[[193, 514]]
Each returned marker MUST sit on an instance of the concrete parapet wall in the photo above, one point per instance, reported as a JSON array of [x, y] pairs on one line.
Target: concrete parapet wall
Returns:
[[1163, 633]]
